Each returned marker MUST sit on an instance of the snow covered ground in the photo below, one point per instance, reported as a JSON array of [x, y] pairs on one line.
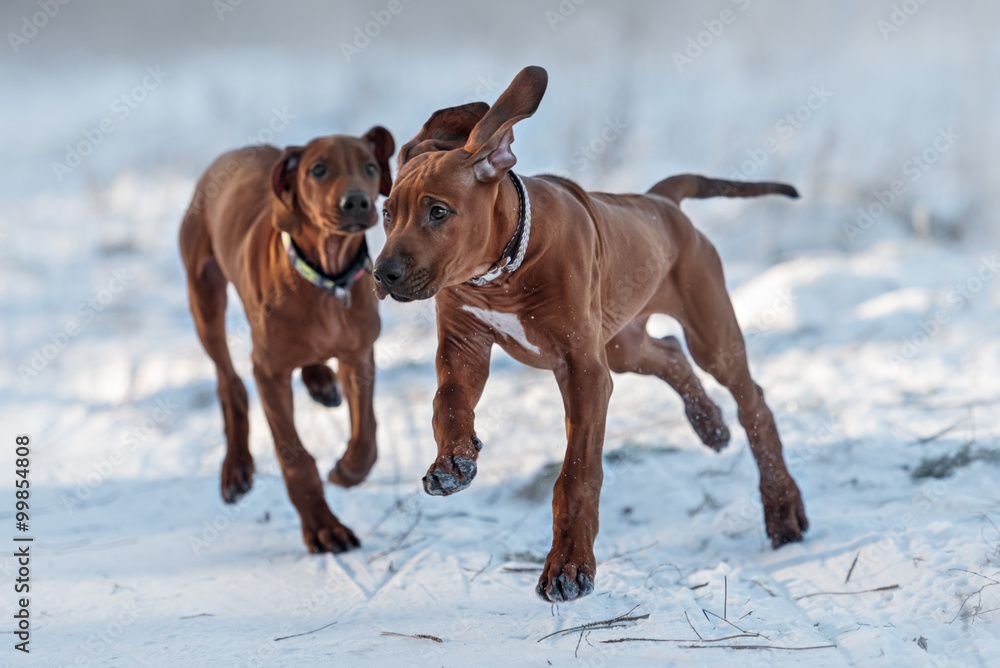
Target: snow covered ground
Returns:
[[876, 339]]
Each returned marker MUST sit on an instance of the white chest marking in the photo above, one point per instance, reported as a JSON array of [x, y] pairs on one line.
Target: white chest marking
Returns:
[[506, 324]]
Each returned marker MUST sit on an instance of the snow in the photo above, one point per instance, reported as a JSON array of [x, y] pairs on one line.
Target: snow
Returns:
[[877, 354]]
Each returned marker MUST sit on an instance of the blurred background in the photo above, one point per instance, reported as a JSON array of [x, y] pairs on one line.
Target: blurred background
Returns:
[[676, 95], [869, 305], [881, 113]]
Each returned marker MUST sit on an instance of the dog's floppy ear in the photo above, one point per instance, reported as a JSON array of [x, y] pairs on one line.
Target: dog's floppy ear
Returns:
[[446, 129], [489, 142], [383, 146], [284, 181]]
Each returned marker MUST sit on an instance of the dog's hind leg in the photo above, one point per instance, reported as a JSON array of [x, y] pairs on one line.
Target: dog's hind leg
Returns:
[[321, 381], [358, 373], [716, 344], [207, 296], [633, 350]]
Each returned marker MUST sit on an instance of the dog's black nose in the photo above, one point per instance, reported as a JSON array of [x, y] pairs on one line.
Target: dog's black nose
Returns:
[[389, 271], [356, 203]]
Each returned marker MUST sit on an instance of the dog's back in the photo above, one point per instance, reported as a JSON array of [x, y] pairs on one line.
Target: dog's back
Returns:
[[231, 197], [635, 221]]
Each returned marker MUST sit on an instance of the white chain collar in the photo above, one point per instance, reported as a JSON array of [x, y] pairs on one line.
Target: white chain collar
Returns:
[[509, 263]]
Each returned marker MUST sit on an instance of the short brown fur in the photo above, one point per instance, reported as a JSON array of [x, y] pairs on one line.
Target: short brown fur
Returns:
[[597, 266], [231, 234]]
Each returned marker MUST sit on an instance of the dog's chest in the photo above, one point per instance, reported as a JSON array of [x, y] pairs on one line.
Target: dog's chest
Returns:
[[504, 324]]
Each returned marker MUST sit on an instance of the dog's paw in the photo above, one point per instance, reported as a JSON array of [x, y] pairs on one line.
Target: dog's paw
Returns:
[[455, 472], [566, 580], [323, 532], [237, 478], [784, 515], [342, 476], [706, 420], [321, 382], [449, 475]]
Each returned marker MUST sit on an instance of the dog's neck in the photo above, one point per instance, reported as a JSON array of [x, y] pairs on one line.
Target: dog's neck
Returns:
[[333, 253], [506, 215]]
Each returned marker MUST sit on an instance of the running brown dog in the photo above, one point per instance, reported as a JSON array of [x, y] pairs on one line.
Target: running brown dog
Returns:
[[287, 228], [578, 276]]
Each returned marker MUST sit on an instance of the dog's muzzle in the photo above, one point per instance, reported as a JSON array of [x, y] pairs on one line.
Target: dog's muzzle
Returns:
[[394, 279], [389, 274]]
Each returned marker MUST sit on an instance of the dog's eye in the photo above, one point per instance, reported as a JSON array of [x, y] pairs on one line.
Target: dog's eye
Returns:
[[371, 170], [439, 213], [386, 218], [318, 170]]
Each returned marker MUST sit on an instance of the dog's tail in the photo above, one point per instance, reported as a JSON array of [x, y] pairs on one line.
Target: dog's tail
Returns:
[[684, 186]]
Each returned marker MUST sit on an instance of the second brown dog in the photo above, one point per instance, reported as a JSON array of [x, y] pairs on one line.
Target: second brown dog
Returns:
[[287, 228]]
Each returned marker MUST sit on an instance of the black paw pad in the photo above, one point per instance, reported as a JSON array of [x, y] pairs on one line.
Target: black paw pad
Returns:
[[329, 396], [441, 483], [564, 589]]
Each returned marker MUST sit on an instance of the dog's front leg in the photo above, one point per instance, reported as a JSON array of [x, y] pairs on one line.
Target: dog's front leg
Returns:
[[321, 530], [463, 365], [570, 568], [358, 376]]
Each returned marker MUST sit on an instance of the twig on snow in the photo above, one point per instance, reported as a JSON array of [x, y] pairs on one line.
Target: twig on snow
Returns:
[[418, 636], [733, 637], [933, 437], [741, 630], [847, 593], [851, 569], [617, 622], [398, 544], [755, 647], [306, 633], [481, 570], [978, 592], [619, 555], [692, 625]]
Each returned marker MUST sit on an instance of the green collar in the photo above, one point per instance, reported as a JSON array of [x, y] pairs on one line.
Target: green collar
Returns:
[[338, 286]]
